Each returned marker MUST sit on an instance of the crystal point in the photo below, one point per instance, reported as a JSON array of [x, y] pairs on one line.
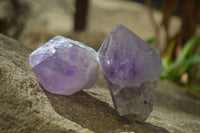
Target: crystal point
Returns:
[[132, 69], [64, 66]]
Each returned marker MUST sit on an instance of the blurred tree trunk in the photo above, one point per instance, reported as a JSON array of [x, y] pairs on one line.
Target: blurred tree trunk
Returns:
[[81, 14]]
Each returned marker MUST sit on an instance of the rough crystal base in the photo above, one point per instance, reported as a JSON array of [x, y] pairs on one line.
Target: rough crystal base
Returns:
[[133, 103]]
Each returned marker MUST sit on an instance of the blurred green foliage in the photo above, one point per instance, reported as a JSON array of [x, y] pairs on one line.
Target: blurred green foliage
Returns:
[[174, 69]]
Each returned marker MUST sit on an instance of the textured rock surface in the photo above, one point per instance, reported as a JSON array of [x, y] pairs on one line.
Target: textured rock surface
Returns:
[[175, 110], [132, 69], [64, 66], [26, 107]]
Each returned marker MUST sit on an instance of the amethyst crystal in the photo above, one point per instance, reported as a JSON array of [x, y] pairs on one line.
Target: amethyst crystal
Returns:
[[132, 69], [64, 66]]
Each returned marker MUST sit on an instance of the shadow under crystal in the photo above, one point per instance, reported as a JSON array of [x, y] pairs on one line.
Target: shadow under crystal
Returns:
[[96, 115]]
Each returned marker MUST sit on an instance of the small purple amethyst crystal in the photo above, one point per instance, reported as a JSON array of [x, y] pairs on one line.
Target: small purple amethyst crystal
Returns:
[[64, 66], [132, 69]]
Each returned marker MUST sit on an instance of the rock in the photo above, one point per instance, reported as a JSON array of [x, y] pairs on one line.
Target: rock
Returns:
[[13, 17], [26, 107], [7, 15], [132, 69], [175, 110], [64, 66]]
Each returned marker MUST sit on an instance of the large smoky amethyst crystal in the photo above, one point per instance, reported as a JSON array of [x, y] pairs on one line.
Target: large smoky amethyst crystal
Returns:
[[132, 69]]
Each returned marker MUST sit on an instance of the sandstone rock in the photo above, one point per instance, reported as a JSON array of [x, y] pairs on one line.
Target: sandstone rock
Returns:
[[26, 107]]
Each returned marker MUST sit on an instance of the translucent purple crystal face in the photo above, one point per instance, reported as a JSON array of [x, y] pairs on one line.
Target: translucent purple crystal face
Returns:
[[132, 69], [64, 66]]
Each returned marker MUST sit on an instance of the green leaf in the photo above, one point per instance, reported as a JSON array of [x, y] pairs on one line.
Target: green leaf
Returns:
[[170, 52], [167, 60], [188, 49], [191, 61]]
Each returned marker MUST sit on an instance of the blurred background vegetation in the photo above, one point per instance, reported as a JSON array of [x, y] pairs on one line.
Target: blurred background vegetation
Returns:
[[171, 27], [181, 51]]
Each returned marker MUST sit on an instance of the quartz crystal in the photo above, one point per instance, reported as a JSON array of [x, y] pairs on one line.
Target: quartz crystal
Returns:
[[63, 66], [132, 69]]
